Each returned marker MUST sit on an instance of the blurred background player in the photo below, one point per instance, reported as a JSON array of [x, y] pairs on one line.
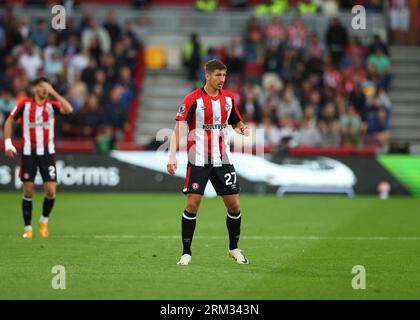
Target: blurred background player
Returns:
[[208, 111], [38, 120]]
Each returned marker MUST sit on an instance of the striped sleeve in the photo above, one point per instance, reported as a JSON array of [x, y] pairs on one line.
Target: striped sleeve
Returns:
[[187, 109], [18, 110], [56, 106], [234, 117]]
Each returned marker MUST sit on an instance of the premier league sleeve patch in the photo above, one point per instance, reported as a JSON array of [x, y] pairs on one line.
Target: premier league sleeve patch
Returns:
[[181, 111]]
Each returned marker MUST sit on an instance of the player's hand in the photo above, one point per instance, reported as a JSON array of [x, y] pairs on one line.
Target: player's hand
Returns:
[[9, 148], [243, 130], [172, 166], [49, 88]]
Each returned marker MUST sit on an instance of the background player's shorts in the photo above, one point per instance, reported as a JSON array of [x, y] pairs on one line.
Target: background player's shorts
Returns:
[[223, 179], [30, 164]]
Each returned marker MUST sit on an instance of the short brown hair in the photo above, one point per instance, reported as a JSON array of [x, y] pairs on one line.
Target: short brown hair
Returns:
[[37, 81], [213, 65]]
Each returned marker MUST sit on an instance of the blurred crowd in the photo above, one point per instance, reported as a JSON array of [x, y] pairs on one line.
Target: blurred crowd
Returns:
[[91, 63], [307, 89]]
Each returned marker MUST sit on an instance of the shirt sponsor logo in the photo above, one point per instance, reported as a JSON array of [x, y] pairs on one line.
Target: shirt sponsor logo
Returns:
[[38, 124], [214, 126]]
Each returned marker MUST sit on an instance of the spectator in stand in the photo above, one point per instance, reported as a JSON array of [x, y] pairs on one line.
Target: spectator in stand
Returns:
[[275, 32], [272, 60], [380, 66], [53, 66], [289, 109], [93, 31], [293, 67], [308, 134], [380, 98], [91, 117], [39, 35], [30, 61], [378, 128], [297, 33], [399, 15], [269, 99], [332, 78], [374, 6], [7, 102], [249, 107], [357, 99], [315, 101], [330, 126], [314, 67], [314, 46], [114, 109], [306, 7], [336, 40], [24, 27], [192, 54], [271, 131], [235, 57], [377, 42], [356, 72], [112, 26], [351, 127]]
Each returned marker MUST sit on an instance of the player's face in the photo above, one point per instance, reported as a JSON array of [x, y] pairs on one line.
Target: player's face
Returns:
[[40, 91], [216, 79]]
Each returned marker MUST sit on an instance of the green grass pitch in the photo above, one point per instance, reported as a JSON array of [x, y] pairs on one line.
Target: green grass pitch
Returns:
[[125, 246]]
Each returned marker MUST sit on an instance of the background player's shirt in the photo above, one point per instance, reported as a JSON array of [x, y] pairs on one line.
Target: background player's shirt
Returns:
[[208, 118], [38, 122]]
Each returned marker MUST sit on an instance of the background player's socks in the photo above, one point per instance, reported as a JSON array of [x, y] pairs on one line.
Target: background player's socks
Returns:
[[188, 227], [233, 223], [46, 208], [27, 210]]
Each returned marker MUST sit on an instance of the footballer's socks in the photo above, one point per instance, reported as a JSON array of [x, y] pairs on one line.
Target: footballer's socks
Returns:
[[188, 227], [47, 207], [233, 223], [27, 210]]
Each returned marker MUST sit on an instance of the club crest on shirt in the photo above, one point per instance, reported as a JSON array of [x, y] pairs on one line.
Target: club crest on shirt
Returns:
[[227, 107]]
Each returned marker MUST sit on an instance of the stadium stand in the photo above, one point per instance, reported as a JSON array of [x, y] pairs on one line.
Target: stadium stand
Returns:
[[304, 75]]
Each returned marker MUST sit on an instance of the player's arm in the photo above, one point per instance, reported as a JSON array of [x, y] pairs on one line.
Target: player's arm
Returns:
[[9, 148], [241, 128], [66, 107], [180, 128], [235, 120]]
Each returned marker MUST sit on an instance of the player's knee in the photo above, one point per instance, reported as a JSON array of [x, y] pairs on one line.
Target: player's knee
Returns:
[[50, 194], [192, 207], [234, 207]]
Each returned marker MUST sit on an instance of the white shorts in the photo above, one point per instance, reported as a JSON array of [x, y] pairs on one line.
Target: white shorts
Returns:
[[399, 19]]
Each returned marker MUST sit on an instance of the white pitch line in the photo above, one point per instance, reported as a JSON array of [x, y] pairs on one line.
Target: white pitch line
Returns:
[[177, 237]]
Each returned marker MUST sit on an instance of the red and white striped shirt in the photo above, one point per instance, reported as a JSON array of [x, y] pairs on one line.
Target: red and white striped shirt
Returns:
[[208, 118], [38, 121]]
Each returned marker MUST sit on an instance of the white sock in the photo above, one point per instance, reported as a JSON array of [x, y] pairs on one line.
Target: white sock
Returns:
[[27, 228], [43, 219]]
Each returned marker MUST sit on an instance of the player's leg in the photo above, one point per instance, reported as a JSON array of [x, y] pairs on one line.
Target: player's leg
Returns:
[[28, 190], [194, 186], [47, 206], [225, 183], [27, 175], [48, 173], [233, 219], [189, 219]]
